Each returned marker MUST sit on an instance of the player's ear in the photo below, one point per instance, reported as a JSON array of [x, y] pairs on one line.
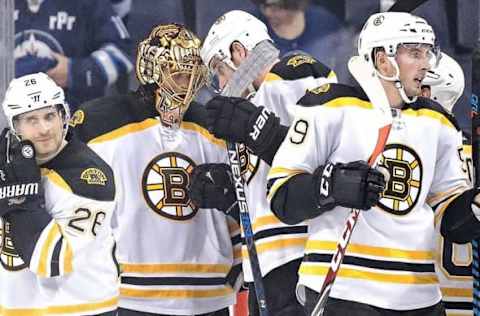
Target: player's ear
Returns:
[[382, 63], [239, 52]]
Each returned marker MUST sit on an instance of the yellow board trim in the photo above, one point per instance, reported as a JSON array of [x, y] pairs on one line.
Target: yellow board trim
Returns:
[[345, 272], [315, 245], [174, 268], [90, 308], [125, 130], [178, 294]]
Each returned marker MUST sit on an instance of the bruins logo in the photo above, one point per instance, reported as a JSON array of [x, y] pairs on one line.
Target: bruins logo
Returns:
[[9, 259], [249, 163], [94, 176], [77, 118], [165, 182], [403, 189], [319, 90], [296, 61]]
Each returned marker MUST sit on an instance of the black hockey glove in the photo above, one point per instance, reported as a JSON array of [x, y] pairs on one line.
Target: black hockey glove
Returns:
[[212, 187], [20, 178], [238, 120], [352, 185]]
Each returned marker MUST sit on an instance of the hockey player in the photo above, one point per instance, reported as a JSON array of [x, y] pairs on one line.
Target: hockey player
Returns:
[[320, 173], [239, 52], [82, 45], [176, 259], [445, 84], [56, 200]]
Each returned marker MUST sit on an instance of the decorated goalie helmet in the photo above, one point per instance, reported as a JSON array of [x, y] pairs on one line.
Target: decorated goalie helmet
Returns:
[[169, 60], [33, 92], [389, 31], [446, 82], [233, 26]]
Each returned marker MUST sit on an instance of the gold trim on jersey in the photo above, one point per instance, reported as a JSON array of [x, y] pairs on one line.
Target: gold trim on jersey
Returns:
[[308, 268], [282, 175], [125, 130], [55, 178], [272, 77], [457, 292], [431, 114], [332, 74], [88, 308], [178, 294], [204, 132], [275, 245], [440, 196], [53, 236], [348, 101], [266, 220], [174, 268], [22, 311], [331, 246]]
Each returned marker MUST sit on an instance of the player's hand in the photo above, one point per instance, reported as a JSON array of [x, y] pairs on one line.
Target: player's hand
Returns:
[[352, 185], [20, 177], [211, 186], [59, 73], [238, 120]]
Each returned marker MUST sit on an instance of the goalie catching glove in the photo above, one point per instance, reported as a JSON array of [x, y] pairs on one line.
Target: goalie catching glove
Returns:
[[352, 185], [20, 177]]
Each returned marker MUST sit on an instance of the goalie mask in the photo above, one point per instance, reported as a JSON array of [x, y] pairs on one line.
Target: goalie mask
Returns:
[[446, 82], [34, 92], [170, 60], [391, 30]]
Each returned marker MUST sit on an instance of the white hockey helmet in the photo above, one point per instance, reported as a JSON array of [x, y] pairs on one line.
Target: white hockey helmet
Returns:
[[388, 30], [30, 93], [233, 26], [446, 82]]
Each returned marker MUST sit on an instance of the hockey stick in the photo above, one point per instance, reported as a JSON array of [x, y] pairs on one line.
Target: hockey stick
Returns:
[[241, 77], [406, 5], [474, 102], [373, 88]]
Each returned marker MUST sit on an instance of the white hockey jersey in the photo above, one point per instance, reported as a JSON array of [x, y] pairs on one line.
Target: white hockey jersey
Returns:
[[389, 262], [72, 270], [276, 242], [454, 262], [175, 258]]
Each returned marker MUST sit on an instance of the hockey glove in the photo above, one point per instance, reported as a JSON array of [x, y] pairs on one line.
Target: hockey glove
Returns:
[[20, 178], [238, 120], [352, 185], [212, 187]]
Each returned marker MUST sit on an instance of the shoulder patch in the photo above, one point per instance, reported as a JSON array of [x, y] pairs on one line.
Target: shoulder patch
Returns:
[[77, 118], [330, 91], [299, 66], [94, 176], [82, 171], [298, 60]]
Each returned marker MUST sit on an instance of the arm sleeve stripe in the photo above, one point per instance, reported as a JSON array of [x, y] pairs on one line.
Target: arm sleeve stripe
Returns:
[[55, 262], [53, 236], [106, 63], [120, 26], [66, 258], [119, 56]]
